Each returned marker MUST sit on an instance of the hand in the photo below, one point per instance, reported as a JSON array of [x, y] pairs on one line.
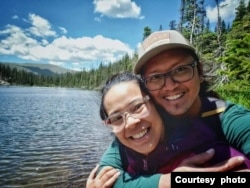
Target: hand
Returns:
[[104, 179], [192, 164]]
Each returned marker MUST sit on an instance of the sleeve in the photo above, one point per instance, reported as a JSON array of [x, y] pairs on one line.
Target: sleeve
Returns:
[[235, 123], [112, 157]]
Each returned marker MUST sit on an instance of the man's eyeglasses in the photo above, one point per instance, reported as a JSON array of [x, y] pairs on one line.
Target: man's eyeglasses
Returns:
[[137, 109], [180, 74]]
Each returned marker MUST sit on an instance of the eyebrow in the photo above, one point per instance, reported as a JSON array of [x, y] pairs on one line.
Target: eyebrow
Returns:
[[127, 106], [171, 69]]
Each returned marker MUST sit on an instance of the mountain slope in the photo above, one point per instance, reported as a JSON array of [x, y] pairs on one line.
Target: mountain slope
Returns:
[[41, 69]]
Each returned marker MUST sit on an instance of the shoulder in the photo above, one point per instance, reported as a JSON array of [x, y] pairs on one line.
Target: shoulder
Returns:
[[236, 126], [113, 148], [111, 156], [212, 106], [236, 111]]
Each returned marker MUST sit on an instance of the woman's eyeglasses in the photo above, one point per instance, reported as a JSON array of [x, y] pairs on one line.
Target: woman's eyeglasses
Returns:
[[137, 109]]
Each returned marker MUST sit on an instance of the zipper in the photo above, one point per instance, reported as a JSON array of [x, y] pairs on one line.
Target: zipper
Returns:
[[145, 164]]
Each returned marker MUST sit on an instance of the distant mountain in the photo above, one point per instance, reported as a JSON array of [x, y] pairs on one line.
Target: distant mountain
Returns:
[[39, 69]]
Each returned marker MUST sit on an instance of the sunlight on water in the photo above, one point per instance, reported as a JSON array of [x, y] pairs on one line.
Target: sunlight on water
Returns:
[[50, 137]]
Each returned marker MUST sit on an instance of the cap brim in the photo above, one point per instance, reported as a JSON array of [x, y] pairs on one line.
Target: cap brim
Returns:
[[157, 50]]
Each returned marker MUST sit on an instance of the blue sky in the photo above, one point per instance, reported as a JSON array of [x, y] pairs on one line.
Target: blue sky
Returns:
[[79, 34]]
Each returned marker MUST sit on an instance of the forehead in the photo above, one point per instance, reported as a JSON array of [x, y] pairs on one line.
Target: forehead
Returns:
[[121, 95], [167, 60]]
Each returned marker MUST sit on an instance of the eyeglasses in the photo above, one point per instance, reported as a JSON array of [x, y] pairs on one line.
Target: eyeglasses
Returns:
[[180, 74], [137, 109]]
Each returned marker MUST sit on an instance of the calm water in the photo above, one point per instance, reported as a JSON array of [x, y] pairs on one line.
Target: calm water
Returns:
[[49, 137]]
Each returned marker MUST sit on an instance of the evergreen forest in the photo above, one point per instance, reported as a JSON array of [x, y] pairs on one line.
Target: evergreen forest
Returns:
[[224, 51]]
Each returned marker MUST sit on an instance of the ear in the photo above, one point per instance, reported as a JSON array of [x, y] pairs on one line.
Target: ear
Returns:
[[104, 122], [200, 71]]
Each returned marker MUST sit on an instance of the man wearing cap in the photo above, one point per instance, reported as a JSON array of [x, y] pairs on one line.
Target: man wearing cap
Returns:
[[172, 72]]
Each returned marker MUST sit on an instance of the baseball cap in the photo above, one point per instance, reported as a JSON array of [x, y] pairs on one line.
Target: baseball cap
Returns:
[[158, 42]]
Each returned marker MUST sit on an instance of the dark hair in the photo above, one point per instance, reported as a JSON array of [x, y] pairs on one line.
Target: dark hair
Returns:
[[125, 77], [206, 84]]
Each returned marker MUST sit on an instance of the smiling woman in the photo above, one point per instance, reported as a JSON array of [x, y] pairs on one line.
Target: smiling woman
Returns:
[[131, 114]]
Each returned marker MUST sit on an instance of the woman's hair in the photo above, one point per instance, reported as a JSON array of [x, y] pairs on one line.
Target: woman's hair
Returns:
[[121, 78]]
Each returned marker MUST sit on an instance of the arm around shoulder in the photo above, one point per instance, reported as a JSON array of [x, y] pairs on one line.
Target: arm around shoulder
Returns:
[[112, 158], [235, 123]]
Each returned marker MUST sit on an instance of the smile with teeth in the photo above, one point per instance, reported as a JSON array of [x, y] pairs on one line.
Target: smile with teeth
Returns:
[[174, 97], [140, 134]]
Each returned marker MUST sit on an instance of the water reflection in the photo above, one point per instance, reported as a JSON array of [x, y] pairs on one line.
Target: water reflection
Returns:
[[49, 137]]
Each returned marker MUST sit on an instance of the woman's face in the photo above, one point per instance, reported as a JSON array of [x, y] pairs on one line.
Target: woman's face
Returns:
[[178, 99], [141, 134]]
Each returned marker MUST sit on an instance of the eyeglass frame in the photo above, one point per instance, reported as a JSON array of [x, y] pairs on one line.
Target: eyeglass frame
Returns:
[[145, 99], [168, 74]]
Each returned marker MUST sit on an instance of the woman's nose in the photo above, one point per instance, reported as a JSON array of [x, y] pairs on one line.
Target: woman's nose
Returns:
[[130, 120]]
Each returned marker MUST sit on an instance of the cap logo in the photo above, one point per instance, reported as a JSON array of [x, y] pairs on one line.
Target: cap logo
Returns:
[[154, 38]]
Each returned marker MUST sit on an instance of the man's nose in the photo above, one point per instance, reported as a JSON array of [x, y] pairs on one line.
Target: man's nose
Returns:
[[170, 84]]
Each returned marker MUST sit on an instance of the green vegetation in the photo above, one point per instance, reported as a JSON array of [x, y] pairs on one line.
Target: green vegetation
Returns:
[[225, 53], [237, 92]]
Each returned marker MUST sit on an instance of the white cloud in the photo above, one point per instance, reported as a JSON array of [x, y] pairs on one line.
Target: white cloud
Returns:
[[61, 50], [17, 42], [40, 26], [227, 10], [118, 8], [63, 30], [15, 17]]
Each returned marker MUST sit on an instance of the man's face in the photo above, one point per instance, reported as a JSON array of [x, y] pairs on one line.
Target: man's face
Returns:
[[178, 99]]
